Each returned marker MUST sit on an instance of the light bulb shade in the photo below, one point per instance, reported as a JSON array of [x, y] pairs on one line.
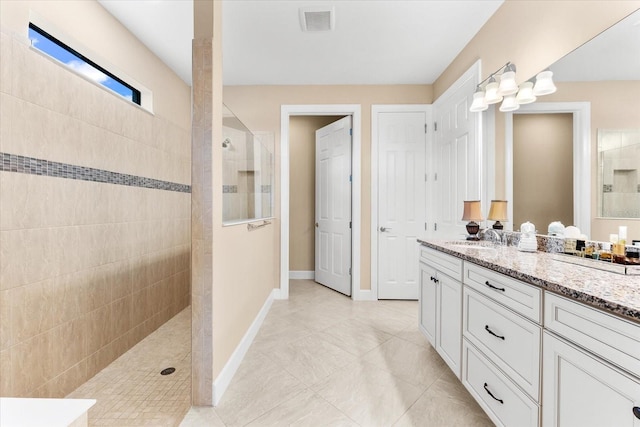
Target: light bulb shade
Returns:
[[544, 84], [508, 85], [525, 94], [498, 210], [491, 92], [472, 211], [479, 104], [509, 104]]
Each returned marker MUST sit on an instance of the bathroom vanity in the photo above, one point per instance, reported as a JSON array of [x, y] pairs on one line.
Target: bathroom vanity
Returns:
[[536, 341]]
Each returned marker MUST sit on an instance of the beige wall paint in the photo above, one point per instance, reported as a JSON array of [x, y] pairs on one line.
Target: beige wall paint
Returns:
[[543, 169], [87, 269], [614, 105], [302, 155], [259, 109]]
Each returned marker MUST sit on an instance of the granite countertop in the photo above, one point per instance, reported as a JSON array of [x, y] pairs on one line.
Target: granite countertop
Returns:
[[616, 293]]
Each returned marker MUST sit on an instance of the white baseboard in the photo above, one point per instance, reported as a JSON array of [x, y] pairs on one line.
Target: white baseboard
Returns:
[[365, 295], [226, 375], [301, 275]]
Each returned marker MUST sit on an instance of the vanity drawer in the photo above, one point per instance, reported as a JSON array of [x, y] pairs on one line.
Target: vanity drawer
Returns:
[[448, 264], [518, 296], [510, 341], [500, 398], [607, 336]]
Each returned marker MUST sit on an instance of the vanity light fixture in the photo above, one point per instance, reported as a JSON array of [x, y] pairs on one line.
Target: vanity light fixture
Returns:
[[508, 85], [479, 101], [492, 94], [544, 83], [510, 103], [525, 94], [497, 213], [472, 213], [512, 96]]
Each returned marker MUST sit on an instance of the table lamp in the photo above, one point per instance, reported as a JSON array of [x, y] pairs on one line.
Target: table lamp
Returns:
[[497, 213], [472, 213]]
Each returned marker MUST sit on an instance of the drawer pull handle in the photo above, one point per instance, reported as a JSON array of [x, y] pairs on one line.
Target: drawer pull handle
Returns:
[[494, 287], [486, 328], [486, 388], [636, 412]]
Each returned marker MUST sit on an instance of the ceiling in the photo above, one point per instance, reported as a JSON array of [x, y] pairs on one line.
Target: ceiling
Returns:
[[374, 41]]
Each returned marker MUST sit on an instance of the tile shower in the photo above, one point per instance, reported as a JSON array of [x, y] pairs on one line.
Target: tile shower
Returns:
[[94, 224]]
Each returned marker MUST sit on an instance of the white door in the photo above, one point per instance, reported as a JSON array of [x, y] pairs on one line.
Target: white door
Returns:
[[333, 206], [402, 143], [457, 156]]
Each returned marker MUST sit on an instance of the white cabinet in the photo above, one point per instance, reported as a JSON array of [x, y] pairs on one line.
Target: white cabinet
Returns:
[[507, 339], [428, 301], [581, 390], [441, 305], [520, 297], [500, 398], [582, 369], [449, 321], [591, 379], [501, 345]]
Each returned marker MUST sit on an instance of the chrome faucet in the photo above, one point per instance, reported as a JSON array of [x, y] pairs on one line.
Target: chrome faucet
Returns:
[[499, 238]]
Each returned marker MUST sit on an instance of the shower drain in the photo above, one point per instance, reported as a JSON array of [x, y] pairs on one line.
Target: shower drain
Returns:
[[167, 371]]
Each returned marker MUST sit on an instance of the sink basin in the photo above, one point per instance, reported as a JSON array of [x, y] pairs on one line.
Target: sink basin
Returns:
[[471, 244]]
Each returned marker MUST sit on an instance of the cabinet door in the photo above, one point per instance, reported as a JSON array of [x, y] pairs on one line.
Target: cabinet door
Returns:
[[449, 321], [581, 390], [428, 303]]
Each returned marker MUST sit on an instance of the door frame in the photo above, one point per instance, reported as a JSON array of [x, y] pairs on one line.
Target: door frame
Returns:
[[397, 108], [581, 112], [353, 110]]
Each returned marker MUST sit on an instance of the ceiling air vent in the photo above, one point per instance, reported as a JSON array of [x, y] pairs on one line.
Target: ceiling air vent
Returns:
[[317, 18]]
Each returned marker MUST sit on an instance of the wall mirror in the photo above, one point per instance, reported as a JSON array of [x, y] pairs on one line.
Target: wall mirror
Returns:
[[247, 176], [619, 173], [603, 74]]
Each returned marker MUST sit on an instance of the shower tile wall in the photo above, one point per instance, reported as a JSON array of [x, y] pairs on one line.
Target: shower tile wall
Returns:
[[87, 269]]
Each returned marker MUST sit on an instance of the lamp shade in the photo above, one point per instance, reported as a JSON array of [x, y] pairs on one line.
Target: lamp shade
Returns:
[[544, 84], [508, 85], [491, 90], [525, 94], [479, 104], [472, 211], [498, 210], [509, 104]]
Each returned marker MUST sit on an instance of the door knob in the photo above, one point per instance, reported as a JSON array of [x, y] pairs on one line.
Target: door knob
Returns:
[[316, 225], [383, 229]]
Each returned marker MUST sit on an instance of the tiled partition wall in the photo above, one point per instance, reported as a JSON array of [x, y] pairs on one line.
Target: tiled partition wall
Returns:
[[94, 224]]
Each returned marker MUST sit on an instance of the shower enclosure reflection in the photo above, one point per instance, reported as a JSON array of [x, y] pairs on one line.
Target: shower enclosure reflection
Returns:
[[247, 180], [619, 177]]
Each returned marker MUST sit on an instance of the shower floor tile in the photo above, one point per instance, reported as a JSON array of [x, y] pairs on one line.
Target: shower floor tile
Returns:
[[131, 391]]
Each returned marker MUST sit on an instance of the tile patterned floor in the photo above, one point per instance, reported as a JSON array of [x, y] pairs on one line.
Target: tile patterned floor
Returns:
[[321, 359], [131, 391]]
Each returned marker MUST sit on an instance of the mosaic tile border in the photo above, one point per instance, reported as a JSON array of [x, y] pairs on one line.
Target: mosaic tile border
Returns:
[[33, 166], [229, 189]]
